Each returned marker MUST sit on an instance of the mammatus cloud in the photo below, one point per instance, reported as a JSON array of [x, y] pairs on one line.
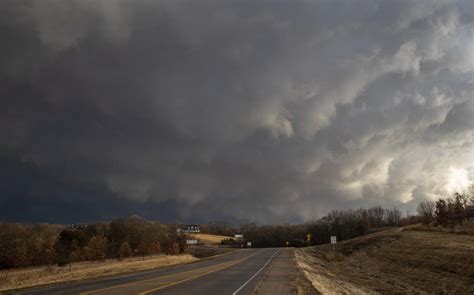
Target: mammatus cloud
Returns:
[[269, 113]]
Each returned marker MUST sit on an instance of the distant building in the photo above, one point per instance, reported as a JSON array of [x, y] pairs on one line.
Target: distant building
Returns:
[[77, 226], [193, 228]]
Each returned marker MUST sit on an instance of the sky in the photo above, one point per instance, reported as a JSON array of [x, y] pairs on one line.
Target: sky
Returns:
[[238, 111]]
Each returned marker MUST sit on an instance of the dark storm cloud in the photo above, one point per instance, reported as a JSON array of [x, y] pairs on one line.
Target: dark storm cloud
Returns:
[[238, 110]]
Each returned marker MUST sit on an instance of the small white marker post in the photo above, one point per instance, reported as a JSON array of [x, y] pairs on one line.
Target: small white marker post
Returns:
[[193, 243], [333, 242]]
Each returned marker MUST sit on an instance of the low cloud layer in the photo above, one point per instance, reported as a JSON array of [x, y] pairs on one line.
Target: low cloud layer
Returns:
[[233, 110]]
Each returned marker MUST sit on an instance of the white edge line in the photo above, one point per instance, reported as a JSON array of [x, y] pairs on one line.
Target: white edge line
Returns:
[[249, 280]]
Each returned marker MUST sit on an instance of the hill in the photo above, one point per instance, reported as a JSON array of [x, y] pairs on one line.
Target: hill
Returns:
[[207, 239], [393, 262]]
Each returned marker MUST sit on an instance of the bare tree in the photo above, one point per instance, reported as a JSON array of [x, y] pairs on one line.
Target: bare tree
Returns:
[[393, 216], [442, 212], [96, 248], [124, 250], [426, 210], [459, 204], [470, 194]]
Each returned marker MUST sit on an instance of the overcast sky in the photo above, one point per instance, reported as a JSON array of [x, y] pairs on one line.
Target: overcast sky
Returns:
[[266, 111]]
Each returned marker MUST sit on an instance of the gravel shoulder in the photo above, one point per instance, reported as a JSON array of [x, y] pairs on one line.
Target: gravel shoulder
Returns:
[[283, 277]]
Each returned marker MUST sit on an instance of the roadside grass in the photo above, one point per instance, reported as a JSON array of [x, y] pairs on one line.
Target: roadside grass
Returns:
[[37, 276], [393, 262], [467, 228]]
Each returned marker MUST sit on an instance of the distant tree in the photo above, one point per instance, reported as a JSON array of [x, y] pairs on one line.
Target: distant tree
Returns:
[[70, 244], [219, 228], [376, 216], [470, 195], [75, 252], [458, 207], [96, 249], [21, 257], [38, 251], [393, 216], [363, 222], [174, 249], [442, 213], [155, 248], [125, 250], [426, 210], [49, 251]]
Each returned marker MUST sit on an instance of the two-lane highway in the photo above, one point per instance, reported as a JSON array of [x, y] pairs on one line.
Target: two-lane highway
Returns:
[[235, 273]]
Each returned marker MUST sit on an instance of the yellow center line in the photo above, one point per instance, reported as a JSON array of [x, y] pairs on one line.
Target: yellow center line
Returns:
[[191, 273], [224, 264], [199, 275], [143, 281]]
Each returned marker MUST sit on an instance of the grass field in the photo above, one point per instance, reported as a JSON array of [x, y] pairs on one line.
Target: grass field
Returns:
[[393, 262], [210, 239], [36, 276], [466, 228]]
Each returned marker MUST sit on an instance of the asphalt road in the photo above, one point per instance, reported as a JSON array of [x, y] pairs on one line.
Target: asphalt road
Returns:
[[235, 273]]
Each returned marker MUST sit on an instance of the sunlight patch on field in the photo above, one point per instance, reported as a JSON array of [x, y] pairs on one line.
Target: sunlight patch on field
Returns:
[[207, 239]]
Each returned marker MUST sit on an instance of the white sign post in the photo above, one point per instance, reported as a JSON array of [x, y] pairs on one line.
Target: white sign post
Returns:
[[192, 242], [333, 242], [249, 244]]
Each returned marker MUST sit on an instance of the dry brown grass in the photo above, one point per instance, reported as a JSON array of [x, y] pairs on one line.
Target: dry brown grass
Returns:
[[210, 239], [467, 228], [393, 262], [36, 276]]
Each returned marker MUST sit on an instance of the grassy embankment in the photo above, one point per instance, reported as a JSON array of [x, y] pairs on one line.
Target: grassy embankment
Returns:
[[207, 239], [467, 228], [36, 276], [393, 262]]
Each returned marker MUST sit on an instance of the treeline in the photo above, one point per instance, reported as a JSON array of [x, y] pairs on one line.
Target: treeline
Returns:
[[25, 245], [344, 224], [348, 224], [447, 212]]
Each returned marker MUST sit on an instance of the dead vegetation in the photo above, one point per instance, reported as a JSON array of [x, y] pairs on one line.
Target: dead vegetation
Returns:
[[467, 228], [36, 276], [208, 239], [393, 262]]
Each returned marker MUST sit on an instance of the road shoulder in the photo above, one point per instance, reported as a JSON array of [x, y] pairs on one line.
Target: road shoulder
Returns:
[[283, 277]]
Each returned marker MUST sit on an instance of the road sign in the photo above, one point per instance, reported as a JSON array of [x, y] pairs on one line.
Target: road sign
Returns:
[[239, 236], [192, 228], [308, 238], [249, 244], [191, 242], [333, 242]]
